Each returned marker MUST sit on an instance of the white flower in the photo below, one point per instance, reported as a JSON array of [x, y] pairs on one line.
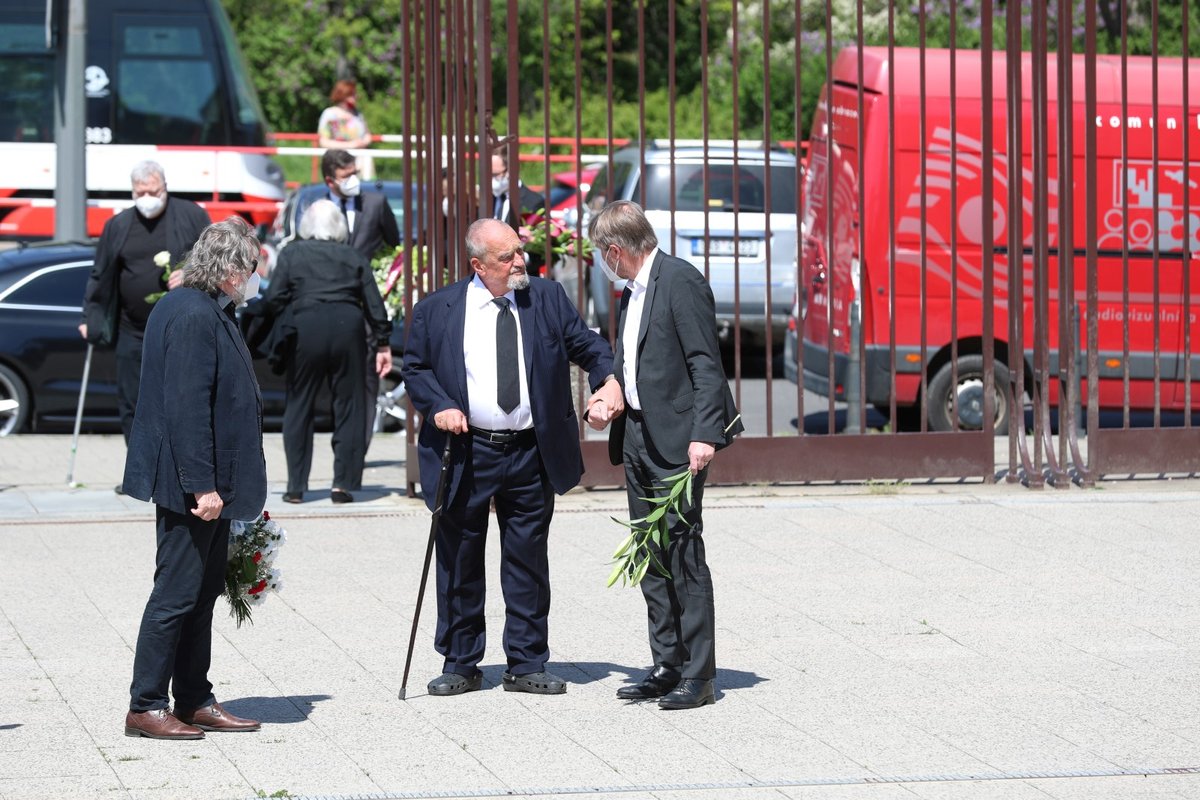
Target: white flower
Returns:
[[162, 259]]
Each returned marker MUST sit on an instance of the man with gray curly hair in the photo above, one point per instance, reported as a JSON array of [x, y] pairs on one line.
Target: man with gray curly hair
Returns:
[[195, 450]]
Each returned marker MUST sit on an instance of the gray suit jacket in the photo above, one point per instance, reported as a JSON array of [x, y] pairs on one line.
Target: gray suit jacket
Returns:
[[681, 383]]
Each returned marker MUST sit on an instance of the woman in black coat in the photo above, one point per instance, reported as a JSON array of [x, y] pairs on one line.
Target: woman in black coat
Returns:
[[323, 293]]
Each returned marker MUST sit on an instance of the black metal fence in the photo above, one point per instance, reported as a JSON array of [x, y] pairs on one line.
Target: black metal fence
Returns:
[[981, 226]]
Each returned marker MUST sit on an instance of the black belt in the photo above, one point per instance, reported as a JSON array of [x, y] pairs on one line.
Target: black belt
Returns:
[[525, 436]]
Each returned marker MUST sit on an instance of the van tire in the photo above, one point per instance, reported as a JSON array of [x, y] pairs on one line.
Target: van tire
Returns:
[[970, 396]]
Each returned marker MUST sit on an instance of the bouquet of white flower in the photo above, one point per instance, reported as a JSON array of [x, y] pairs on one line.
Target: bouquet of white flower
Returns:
[[250, 572]]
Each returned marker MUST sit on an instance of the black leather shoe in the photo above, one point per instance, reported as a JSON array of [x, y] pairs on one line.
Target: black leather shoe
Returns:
[[450, 683], [339, 496], [660, 681], [690, 693], [293, 497]]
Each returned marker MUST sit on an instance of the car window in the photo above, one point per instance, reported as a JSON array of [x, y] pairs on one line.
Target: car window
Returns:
[[53, 287], [751, 190], [600, 194]]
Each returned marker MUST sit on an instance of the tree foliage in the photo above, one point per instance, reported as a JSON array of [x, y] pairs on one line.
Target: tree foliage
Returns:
[[361, 39]]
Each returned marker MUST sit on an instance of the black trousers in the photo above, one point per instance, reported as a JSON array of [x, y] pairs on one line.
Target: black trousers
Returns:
[[680, 609], [512, 475], [330, 350], [174, 645], [129, 376]]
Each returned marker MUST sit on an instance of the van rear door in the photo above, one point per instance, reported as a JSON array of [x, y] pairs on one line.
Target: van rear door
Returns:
[[831, 219]]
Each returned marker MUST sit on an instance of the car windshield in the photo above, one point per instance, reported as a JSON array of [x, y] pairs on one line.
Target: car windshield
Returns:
[[746, 184]]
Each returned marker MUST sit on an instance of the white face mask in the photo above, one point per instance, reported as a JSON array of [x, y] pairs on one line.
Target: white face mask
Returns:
[[609, 270], [149, 205], [247, 290], [350, 186], [499, 186], [251, 287], [445, 206]]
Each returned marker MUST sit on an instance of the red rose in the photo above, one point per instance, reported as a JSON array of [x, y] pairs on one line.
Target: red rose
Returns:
[[257, 557], [266, 516], [257, 588]]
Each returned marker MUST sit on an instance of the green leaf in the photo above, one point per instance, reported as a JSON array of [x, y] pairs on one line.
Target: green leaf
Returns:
[[617, 572], [639, 572], [625, 545], [656, 514]]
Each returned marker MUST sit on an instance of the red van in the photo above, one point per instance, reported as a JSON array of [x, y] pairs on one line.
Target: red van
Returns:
[[1134, 185]]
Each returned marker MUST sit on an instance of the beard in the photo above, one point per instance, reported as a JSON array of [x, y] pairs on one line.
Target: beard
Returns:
[[518, 281]]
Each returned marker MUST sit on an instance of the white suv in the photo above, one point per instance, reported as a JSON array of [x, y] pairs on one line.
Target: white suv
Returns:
[[743, 277]]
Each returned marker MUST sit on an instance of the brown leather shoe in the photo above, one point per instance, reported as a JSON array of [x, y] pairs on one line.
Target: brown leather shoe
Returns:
[[159, 724], [215, 718]]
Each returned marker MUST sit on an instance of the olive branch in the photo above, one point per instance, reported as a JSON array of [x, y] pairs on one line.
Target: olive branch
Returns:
[[634, 556]]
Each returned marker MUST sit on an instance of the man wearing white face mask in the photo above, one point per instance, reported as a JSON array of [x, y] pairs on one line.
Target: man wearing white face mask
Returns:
[[369, 218], [127, 277], [502, 207]]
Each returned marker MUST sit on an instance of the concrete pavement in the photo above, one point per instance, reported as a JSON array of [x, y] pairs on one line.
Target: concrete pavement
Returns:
[[874, 642]]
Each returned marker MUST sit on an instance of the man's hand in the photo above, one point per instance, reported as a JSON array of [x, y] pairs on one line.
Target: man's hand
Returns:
[[605, 405], [383, 362], [175, 279], [83, 329], [699, 456], [208, 506], [451, 421]]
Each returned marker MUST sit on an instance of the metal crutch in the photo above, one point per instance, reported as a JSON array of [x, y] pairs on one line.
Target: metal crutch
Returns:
[[87, 368], [440, 500]]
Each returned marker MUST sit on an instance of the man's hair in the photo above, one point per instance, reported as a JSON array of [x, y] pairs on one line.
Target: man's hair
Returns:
[[333, 160], [145, 170], [224, 249], [624, 224], [324, 221], [502, 152], [476, 243], [341, 90]]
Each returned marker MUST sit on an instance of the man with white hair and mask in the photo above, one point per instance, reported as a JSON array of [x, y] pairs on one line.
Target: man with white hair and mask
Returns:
[[128, 275]]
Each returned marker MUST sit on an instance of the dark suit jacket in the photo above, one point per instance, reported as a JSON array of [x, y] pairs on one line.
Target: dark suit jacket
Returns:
[[198, 425], [553, 336], [374, 225], [681, 383], [530, 201], [184, 220]]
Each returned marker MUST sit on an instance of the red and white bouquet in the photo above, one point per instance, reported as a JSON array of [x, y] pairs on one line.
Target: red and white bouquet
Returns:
[[251, 571]]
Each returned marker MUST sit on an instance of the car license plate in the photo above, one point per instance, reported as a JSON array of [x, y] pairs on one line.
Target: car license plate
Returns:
[[721, 246]]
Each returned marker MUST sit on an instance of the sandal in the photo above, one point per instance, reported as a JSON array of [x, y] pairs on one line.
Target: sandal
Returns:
[[535, 683]]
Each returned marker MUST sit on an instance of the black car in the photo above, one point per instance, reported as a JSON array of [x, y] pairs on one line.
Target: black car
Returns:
[[42, 354]]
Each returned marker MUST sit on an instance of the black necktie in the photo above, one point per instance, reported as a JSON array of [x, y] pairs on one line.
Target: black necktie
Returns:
[[508, 382], [498, 208], [347, 206]]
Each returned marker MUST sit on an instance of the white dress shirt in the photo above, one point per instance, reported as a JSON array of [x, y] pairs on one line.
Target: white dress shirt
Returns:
[[633, 327], [479, 353]]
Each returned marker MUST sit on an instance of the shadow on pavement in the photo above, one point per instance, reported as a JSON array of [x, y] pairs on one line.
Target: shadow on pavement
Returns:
[[292, 708]]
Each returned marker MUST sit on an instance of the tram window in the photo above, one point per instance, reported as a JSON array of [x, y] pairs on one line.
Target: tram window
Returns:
[[27, 76], [168, 87]]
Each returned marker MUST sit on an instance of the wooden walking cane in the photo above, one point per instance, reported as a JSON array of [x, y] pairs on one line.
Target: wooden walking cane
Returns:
[[439, 501]]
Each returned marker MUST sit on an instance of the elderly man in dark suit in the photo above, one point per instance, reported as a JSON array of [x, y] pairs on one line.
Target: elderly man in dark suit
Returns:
[[488, 361], [126, 277], [678, 413], [196, 452]]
